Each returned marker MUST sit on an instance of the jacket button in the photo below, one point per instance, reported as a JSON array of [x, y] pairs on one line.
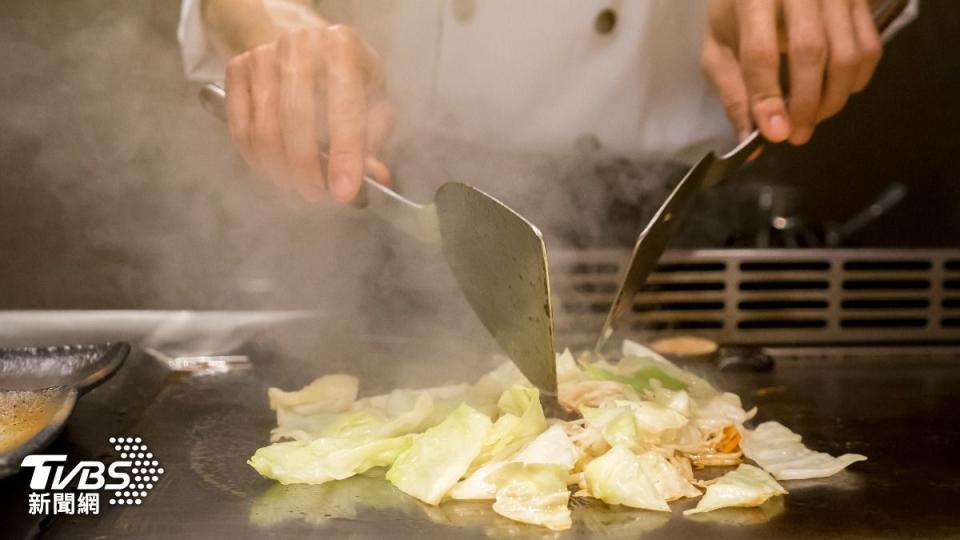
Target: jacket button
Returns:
[[606, 21], [463, 10]]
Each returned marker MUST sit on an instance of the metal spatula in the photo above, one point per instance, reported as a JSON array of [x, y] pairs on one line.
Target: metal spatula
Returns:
[[497, 257], [709, 171]]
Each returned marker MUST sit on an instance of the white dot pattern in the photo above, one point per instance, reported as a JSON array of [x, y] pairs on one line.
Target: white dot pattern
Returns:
[[146, 470]]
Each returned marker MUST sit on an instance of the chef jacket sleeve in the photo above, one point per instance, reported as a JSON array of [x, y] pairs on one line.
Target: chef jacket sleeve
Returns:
[[201, 60]]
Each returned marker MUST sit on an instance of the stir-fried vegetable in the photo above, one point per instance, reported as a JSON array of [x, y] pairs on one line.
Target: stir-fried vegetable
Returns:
[[639, 379], [533, 493], [647, 426], [323, 460], [440, 457], [552, 447], [780, 452], [746, 486]]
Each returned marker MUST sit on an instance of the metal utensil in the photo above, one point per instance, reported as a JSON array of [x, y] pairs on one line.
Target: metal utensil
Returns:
[[497, 257], [708, 172]]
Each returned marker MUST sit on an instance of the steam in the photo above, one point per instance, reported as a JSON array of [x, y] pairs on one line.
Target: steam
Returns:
[[121, 192]]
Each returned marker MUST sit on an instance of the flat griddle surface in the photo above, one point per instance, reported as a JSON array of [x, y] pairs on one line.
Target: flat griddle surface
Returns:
[[899, 410]]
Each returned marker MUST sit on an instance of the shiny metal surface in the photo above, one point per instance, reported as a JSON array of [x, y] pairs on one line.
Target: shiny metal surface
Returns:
[[898, 409], [79, 366], [708, 172], [769, 296], [500, 262]]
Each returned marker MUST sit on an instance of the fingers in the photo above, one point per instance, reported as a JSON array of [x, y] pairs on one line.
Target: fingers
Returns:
[[239, 107], [807, 53], [868, 41], [285, 98], [760, 62], [298, 113], [723, 71], [346, 114], [265, 133], [843, 60]]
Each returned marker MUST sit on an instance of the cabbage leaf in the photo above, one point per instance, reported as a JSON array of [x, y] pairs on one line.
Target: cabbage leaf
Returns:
[[552, 447], [326, 459], [746, 486], [617, 477], [534, 493], [441, 455], [780, 452]]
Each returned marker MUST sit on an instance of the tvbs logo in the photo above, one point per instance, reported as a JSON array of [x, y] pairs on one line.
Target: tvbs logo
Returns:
[[59, 490]]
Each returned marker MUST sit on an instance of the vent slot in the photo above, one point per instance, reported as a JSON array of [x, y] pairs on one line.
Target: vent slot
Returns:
[[592, 307], [951, 284], [770, 305], [784, 285], [594, 268], [886, 303], [883, 323], [784, 266], [674, 287], [951, 322], [951, 303], [885, 284], [671, 268], [678, 306], [781, 324], [953, 265], [890, 266], [596, 287]]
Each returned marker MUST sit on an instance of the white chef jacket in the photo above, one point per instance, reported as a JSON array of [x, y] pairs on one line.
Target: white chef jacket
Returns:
[[535, 75]]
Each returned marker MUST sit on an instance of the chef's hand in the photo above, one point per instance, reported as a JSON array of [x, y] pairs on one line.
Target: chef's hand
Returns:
[[832, 48], [288, 97]]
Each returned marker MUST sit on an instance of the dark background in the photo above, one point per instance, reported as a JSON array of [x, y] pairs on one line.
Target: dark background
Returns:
[[116, 191]]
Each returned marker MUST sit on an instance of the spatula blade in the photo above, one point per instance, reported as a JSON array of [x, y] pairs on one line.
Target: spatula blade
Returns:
[[499, 260]]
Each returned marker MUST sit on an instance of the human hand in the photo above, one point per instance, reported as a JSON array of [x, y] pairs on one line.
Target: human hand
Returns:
[[287, 97], [832, 48]]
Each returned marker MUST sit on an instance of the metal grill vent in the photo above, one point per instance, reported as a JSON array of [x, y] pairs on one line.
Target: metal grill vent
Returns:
[[772, 296]]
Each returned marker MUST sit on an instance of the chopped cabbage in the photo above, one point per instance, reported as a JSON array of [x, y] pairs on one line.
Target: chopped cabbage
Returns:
[[534, 493], [323, 460], [567, 369], [633, 423], [441, 455], [552, 447], [646, 425], [521, 421], [665, 477], [330, 393], [637, 378], [697, 387], [780, 452], [746, 486], [617, 477], [721, 410]]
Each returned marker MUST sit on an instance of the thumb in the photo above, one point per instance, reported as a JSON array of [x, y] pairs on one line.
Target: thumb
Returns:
[[379, 171]]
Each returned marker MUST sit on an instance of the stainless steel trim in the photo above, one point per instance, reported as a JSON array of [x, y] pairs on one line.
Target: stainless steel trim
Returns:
[[825, 296]]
